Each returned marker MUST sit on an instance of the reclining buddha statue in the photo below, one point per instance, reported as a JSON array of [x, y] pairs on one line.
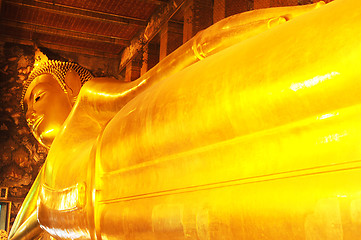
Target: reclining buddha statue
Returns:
[[251, 130]]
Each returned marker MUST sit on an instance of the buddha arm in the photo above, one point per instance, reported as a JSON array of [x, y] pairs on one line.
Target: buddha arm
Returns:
[[104, 97]]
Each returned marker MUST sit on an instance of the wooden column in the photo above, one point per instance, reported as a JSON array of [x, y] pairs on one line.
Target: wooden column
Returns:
[[145, 65], [171, 37], [282, 3], [132, 70], [150, 57], [238, 6], [219, 10], [198, 15], [226, 8], [261, 4], [278, 3]]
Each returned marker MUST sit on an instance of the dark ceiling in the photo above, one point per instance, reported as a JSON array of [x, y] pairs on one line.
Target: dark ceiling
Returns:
[[99, 27]]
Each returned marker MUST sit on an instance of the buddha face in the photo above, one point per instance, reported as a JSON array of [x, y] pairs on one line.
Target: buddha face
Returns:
[[47, 106]]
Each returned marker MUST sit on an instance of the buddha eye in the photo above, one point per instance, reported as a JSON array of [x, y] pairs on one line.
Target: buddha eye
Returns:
[[38, 96]]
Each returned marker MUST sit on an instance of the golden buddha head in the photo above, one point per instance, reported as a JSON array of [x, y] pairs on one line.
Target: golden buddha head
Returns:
[[49, 95]]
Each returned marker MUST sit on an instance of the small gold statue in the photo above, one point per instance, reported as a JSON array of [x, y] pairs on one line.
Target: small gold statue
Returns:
[[241, 133]]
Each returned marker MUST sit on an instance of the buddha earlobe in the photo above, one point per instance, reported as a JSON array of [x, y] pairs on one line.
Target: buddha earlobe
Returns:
[[72, 84]]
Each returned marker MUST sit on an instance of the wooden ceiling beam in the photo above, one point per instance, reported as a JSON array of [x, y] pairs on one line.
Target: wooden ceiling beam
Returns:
[[38, 28], [79, 12], [58, 47]]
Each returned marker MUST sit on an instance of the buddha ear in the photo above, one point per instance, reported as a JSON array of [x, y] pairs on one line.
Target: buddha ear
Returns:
[[73, 84]]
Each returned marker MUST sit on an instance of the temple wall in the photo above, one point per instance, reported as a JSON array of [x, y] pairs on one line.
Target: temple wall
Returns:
[[21, 156]]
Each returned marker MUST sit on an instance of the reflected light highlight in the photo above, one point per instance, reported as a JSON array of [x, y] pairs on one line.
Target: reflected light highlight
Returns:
[[333, 137], [49, 131], [115, 95], [65, 199], [312, 82], [328, 115], [75, 233], [341, 196]]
